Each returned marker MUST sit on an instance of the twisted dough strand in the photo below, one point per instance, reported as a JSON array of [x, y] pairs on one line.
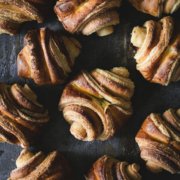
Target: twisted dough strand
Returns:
[[156, 7], [47, 57], [158, 55], [96, 104], [107, 168], [15, 12], [88, 16], [159, 141], [31, 166], [21, 116]]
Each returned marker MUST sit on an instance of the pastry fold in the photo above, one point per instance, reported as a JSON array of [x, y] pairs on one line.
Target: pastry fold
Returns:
[[158, 54], [159, 141], [108, 168], [96, 104], [15, 12], [89, 16], [47, 57], [156, 7], [31, 166], [21, 115]]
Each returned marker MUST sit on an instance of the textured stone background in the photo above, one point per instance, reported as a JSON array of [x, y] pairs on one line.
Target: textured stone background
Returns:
[[107, 52]]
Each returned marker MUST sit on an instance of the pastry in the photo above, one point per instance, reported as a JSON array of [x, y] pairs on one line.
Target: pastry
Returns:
[[156, 7], [96, 104], [159, 141], [47, 57], [88, 16], [107, 168], [15, 12], [31, 166], [158, 54], [21, 115]]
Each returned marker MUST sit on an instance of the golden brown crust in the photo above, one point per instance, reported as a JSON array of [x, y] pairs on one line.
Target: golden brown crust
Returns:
[[156, 7], [87, 16], [107, 168], [47, 57], [40, 166], [96, 104], [15, 12], [159, 141], [21, 115], [158, 55]]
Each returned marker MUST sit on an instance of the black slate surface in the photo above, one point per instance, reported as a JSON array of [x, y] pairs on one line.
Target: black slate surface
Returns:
[[106, 52]]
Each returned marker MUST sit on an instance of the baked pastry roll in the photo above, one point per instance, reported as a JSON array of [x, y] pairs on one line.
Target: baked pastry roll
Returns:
[[47, 57], [52, 166], [159, 141], [21, 115], [96, 104], [108, 168], [15, 12], [158, 54], [89, 16], [156, 7]]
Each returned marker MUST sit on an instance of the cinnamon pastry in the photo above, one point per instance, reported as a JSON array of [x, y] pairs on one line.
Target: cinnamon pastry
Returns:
[[52, 166], [156, 7], [107, 168], [88, 16], [47, 57], [21, 116], [15, 12], [158, 54], [159, 141], [96, 104]]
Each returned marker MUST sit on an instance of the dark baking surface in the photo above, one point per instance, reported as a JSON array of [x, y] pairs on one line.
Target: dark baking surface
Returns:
[[106, 52]]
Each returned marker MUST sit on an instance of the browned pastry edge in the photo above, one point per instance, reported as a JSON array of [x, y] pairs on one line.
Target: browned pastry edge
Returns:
[[21, 116], [159, 141], [14, 13], [158, 55], [96, 104], [106, 168], [47, 57], [156, 7], [89, 16], [52, 166]]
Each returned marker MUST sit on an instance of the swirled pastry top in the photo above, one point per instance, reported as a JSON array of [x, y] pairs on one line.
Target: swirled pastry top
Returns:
[[95, 104], [87, 16], [156, 7], [108, 168], [21, 116], [31, 166], [15, 12], [159, 141], [47, 57], [158, 53]]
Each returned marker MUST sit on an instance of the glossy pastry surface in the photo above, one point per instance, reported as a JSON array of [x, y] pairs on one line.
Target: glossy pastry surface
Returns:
[[96, 104], [156, 7], [15, 12], [158, 53], [21, 115], [32, 166], [108, 168], [89, 16], [159, 141], [47, 57]]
